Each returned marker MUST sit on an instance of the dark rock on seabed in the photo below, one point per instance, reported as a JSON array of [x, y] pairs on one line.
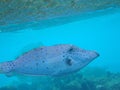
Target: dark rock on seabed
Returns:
[[87, 79]]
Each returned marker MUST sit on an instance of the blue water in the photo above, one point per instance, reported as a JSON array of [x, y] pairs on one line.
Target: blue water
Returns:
[[101, 34]]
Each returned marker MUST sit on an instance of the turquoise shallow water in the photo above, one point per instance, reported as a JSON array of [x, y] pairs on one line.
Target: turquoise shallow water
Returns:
[[101, 34]]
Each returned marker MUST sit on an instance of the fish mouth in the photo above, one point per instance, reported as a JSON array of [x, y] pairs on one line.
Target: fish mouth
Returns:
[[97, 54]]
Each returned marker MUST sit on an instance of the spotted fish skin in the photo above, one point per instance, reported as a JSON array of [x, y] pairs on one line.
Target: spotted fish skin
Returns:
[[50, 60]]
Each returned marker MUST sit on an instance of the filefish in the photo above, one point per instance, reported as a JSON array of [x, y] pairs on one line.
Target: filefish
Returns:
[[54, 60]]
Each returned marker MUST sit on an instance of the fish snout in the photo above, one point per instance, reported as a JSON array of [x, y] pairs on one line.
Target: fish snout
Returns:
[[94, 54]]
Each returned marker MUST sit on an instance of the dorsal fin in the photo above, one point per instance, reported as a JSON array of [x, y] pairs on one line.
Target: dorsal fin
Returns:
[[28, 48]]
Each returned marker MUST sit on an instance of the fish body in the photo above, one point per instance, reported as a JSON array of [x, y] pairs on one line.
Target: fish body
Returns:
[[49, 60]]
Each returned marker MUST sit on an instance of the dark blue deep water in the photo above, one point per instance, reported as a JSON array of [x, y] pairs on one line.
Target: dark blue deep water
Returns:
[[101, 34]]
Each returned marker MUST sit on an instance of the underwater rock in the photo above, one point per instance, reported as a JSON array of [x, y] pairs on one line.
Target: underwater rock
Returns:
[[115, 86], [25, 86], [8, 88], [37, 14], [88, 85], [76, 81]]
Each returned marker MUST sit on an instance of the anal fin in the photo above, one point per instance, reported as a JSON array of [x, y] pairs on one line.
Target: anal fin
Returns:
[[9, 74]]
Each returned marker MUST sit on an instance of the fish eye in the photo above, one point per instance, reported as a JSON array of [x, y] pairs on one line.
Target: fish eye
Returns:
[[68, 61]]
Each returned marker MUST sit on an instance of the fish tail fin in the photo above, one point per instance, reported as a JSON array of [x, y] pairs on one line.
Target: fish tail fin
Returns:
[[6, 68], [1, 68]]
